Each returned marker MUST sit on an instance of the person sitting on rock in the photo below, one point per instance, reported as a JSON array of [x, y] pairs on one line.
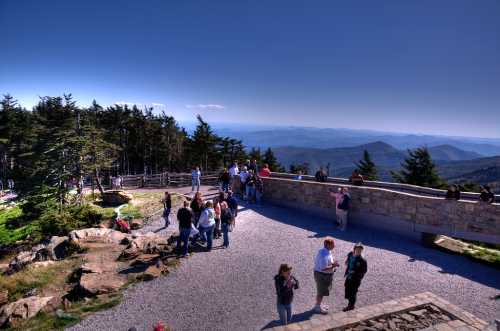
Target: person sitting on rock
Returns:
[[356, 178], [356, 268], [453, 192], [486, 194]]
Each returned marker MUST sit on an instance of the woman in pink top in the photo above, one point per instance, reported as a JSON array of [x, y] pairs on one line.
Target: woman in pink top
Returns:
[[265, 172]]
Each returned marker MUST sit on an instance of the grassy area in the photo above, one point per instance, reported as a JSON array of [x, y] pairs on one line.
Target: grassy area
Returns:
[[48, 279], [9, 235], [49, 321], [487, 255]]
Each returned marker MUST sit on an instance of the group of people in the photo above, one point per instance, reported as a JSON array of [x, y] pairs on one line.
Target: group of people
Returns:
[[486, 195], [325, 267], [204, 220]]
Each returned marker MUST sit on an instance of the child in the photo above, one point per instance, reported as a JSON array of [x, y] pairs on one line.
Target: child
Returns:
[[285, 284]]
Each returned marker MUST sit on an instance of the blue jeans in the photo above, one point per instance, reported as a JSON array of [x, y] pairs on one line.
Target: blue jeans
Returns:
[[225, 187], [166, 214], [206, 233], [184, 238], [285, 312], [225, 233], [258, 197], [196, 183], [250, 191]]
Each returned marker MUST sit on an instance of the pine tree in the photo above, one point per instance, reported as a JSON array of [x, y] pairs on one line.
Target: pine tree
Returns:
[[418, 169], [366, 167], [203, 146], [255, 155], [272, 161]]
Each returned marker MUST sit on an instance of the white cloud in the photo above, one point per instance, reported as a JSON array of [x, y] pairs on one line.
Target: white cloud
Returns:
[[209, 106], [123, 103], [154, 104]]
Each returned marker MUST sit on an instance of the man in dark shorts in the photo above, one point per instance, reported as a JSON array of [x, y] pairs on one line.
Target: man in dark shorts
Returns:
[[356, 268], [324, 268]]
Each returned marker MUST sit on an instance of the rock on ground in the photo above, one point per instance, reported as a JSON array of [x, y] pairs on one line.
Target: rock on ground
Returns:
[[22, 309]]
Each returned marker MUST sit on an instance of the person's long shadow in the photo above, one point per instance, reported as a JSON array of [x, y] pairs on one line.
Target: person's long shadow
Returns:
[[408, 245], [295, 319]]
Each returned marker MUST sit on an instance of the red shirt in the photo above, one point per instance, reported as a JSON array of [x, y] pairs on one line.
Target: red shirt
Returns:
[[265, 172]]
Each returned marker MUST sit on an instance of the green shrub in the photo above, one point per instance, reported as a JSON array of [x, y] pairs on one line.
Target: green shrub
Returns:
[[55, 223]]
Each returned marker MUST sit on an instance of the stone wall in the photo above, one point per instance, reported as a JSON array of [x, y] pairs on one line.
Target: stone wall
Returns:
[[392, 209]]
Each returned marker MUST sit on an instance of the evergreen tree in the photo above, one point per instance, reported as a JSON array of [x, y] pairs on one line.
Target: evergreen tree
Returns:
[[366, 167], [255, 155], [418, 169], [203, 146], [272, 161], [304, 168]]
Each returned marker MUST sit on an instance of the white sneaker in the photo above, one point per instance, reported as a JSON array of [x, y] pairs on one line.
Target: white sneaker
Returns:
[[320, 310]]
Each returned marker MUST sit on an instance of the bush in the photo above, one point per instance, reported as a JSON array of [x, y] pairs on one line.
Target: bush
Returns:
[[55, 223]]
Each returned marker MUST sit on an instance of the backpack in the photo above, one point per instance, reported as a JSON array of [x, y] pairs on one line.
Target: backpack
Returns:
[[346, 203]]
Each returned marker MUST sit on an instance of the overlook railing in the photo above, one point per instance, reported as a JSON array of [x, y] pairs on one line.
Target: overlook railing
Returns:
[[167, 180], [406, 188]]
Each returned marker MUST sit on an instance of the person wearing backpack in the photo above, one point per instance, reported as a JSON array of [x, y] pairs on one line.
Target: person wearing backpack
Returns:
[[343, 204], [285, 283]]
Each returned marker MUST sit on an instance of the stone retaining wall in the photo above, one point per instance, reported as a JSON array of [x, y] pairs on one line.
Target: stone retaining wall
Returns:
[[392, 209]]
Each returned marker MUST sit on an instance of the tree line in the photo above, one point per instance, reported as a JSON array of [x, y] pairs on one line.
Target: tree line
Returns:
[[59, 142]]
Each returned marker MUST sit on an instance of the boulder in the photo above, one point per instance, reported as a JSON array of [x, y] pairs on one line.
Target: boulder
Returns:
[[150, 243], [116, 197], [57, 247], [4, 297], [101, 283], [22, 309], [108, 235]]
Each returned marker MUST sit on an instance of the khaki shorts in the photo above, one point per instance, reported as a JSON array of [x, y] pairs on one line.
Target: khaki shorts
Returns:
[[323, 283]]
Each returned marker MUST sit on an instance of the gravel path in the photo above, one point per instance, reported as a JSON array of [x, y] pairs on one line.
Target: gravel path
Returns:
[[233, 289]]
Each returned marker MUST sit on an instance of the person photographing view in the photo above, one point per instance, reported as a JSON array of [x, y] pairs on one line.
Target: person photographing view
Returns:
[[285, 284]]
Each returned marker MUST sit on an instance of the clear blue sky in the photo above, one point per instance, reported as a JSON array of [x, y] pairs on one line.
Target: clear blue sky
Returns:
[[427, 66]]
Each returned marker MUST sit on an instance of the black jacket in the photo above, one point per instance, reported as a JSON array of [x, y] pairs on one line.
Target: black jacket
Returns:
[[226, 216], [450, 195], [285, 293], [184, 216], [487, 197], [358, 269]]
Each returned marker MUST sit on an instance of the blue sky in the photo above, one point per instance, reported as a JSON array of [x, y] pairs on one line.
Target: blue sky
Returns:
[[406, 66]]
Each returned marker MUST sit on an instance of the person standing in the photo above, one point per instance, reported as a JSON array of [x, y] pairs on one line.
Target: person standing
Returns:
[[254, 166], [196, 207], [321, 175], [232, 204], [259, 190], [243, 180], [217, 208], [356, 268], [185, 217], [225, 179], [10, 184], [265, 171], [167, 207], [226, 218], [342, 205], [250, 186], [285, 283], [195, 179], [324, 268], [207, 223], [234, 174]]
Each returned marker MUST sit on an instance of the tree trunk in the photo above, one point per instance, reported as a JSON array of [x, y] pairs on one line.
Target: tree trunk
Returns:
[[98, 181]]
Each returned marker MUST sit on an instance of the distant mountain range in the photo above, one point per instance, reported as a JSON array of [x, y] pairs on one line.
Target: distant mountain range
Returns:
[[454, 164], [269, 136], [383, 155]]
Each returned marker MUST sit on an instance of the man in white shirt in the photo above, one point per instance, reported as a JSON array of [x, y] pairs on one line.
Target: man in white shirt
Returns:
[[234, 175], [324, 268]]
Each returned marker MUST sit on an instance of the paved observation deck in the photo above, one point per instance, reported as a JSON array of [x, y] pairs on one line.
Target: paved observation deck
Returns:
[[233, 289]]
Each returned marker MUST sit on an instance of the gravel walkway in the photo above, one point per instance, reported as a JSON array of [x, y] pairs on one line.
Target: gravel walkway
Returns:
[[233, 289]]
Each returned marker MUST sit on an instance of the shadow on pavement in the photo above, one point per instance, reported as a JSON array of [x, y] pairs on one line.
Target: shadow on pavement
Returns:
[[408, 245]]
